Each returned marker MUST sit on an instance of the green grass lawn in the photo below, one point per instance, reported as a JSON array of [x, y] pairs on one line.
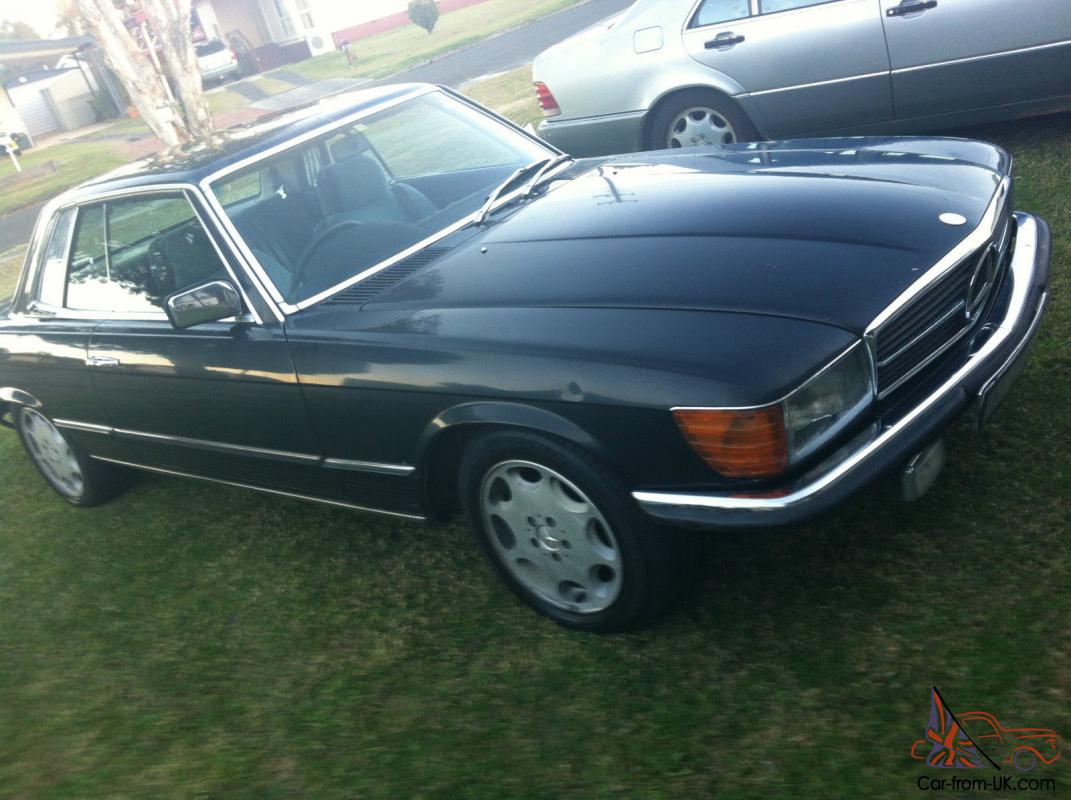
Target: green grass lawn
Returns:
[[192, 640], [510, 94], [395, 50], [50, 170]]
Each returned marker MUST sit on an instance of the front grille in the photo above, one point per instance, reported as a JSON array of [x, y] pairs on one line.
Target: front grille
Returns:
[[935, 319]]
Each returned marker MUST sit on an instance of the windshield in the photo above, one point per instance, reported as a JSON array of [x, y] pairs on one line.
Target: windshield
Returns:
[[326, 210]]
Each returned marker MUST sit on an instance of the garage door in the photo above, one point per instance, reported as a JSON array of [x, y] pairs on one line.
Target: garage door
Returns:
[[34, 109]]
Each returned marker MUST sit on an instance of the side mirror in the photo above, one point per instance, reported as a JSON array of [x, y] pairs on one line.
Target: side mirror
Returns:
[[208, 302]]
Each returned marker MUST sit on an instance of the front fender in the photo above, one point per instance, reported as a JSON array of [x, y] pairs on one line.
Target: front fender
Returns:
[[516, 415]]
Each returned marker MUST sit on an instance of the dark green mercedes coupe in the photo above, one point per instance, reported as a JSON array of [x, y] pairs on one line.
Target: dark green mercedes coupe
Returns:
[[397, 301]]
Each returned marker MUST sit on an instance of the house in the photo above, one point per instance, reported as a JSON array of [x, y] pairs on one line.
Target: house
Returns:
[[270, 33]]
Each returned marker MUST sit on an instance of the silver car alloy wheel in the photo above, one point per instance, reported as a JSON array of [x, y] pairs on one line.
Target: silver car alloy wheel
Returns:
[[699, 127], [52, 454], [551, 537]]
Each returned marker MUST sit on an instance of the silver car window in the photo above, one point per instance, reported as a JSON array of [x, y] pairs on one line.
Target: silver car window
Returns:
[[773, 6], [713, 12]]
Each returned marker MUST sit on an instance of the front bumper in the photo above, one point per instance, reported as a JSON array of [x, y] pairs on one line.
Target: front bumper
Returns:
[[984, 375]]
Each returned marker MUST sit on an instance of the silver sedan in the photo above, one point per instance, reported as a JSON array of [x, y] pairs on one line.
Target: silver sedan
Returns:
[[685, 73]]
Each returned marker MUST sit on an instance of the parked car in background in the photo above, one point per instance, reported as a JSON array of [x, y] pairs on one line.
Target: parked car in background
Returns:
[[579, 356], [216, 61], [682, 73]]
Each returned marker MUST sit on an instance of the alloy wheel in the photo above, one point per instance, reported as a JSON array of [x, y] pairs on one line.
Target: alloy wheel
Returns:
[[551, 537], [53, 454], [699, 127]]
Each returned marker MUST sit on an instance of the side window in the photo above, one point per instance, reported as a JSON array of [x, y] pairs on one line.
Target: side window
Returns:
[[771, 6], [129, 254], [714, 11], [54, 267]]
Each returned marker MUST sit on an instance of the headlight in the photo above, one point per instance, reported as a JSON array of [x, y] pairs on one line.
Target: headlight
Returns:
[[765, 441]]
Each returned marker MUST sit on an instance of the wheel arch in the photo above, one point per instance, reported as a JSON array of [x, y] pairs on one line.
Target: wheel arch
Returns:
[[445, 438], [747, 109], [11, 398]]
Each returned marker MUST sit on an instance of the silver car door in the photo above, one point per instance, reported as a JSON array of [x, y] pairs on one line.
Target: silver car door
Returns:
[[810, 66], [958, 55]]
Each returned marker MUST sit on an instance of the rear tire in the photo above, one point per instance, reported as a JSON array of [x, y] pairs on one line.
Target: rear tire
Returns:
[[67, 468], [697, 118], [560, 529]]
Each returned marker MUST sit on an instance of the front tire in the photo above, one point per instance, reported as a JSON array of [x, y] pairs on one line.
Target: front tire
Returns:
[[699, 118], [561, 531], [68, 469]]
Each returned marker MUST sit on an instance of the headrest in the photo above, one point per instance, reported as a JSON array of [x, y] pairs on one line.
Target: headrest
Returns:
[[351, 184]]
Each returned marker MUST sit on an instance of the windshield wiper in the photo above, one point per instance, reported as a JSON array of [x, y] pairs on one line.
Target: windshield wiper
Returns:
[[512, 179], [530, 187]]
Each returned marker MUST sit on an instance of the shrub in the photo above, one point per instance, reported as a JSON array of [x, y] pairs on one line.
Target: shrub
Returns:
[[424, 13]]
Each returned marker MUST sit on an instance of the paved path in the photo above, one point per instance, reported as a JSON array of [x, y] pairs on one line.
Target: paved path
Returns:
[[511, 49]]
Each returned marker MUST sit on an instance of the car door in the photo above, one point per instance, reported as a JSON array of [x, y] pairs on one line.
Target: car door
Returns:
[[958, 55], [43, 347], [219, 400], [809, 65]]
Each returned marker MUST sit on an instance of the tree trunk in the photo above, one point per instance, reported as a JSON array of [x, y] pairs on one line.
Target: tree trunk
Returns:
[[174, 119], [170, 19]]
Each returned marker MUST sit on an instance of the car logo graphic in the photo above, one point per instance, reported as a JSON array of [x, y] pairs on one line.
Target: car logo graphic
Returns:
[[978, 740]]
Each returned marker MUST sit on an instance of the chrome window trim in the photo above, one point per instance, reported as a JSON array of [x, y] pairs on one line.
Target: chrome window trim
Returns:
[[967, 246], [968, 59], [225, 223], [692, 16], [1021, 273], [278, 492], [368, 466], [189, 191]]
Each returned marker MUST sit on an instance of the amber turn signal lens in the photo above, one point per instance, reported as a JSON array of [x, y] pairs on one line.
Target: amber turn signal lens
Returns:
[[738, 443]]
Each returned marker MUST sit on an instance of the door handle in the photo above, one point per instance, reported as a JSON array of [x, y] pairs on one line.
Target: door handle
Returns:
[[102, 361], [727, 39], [914, 7]]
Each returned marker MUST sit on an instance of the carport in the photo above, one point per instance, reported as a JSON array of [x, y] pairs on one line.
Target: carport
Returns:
[[49, 100]]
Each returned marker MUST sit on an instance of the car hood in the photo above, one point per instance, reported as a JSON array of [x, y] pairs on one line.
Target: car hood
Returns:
[[829, 231]]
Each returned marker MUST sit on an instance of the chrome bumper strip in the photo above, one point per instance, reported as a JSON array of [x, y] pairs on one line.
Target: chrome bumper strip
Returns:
[[1021, 271], [339, 503]]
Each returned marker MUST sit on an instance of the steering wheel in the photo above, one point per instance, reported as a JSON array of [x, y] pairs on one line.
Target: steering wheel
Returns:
[[301, 275], [159, 274]]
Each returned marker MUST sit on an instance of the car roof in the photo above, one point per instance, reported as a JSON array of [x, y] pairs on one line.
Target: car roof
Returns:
[[193, 162]]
